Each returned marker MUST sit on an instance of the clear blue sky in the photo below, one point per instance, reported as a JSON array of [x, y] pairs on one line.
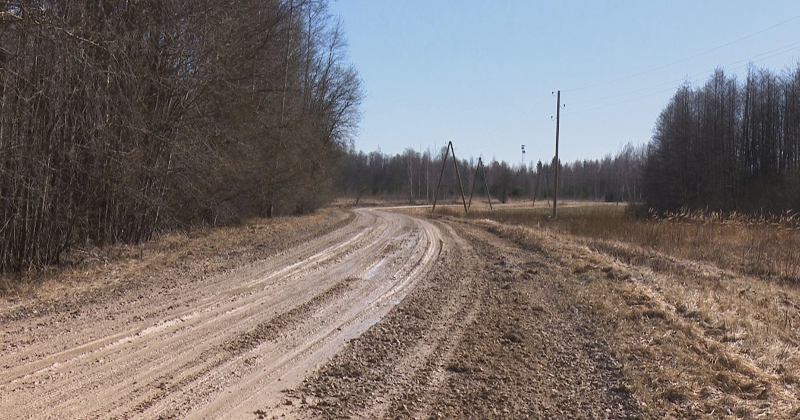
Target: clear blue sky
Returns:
[[481, 73]]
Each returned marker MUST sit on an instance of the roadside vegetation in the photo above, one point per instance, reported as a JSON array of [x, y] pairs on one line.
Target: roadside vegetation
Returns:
[[728, 145], [701, 312], [758, 246], [122, 120]]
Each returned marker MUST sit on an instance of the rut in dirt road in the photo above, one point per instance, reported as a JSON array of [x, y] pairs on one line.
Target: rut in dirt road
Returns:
[[221, 347], [493, 332]]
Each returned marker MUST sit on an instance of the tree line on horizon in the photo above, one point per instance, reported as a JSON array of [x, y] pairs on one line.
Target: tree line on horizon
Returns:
[[413, 176], [122, 119], [726, 146]]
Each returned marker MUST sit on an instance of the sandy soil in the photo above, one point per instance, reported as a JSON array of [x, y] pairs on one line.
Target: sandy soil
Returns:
[[220, 347], [375, 313]]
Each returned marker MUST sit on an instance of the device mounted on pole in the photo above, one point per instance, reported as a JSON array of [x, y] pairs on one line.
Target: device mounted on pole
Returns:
[[555, 164], [439, 184], [485, 181]]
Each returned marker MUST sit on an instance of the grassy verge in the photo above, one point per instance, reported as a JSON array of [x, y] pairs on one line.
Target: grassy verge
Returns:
[[200, 251], [752, 248], [694, 339]]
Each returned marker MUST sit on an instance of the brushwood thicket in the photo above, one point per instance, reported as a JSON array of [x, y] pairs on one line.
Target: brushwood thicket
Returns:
[[122, 119]]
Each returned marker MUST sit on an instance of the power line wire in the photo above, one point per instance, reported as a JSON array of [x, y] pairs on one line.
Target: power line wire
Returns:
[[781, 50], [518, 115], [619, 102], [684, 59], [694, 77]]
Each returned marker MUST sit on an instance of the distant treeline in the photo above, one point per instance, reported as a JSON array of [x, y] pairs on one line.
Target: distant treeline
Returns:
[[121, 118], [729, 145], [413, 176]]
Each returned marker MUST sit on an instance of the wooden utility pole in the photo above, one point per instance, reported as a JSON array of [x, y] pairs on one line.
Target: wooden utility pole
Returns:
[[555, 164], [439, 185], [485, 181], [474, 178], [460, 184]]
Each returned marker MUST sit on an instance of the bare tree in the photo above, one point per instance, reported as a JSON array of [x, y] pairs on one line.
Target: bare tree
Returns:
[[120, 119], [727, 146]]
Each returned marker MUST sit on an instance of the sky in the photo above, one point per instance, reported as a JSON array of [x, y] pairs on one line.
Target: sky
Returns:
[[483, 74]]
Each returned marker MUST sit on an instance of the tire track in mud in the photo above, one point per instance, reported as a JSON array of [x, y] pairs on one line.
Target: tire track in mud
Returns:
[[492, 333], [115, 346], [228, 344], [271, 329], [427, 362], [379, 290], [103, 305]]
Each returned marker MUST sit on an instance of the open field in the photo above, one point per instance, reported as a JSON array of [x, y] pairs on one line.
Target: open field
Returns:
[[377, 313], [764, 248]]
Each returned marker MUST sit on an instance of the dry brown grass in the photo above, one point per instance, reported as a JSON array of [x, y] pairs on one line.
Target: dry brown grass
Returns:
[[202, 251], [754, 246], [702, 344], [697, 311]]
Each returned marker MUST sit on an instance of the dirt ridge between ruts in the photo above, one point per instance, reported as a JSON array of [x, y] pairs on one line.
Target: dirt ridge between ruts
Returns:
[[492, 333], [149, 270], [270, 330]]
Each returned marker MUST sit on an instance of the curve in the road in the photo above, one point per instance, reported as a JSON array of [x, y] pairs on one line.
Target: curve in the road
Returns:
[[222, 347]]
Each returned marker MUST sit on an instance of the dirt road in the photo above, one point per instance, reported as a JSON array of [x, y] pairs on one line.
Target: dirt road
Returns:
[[493, 332], [222, 347], [471, 340], [382, 314]]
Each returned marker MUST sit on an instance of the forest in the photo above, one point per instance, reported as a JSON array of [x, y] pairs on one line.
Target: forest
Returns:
[[728, 145], [122, 119]]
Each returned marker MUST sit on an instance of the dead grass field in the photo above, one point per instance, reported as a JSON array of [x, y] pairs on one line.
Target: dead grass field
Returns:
[[752, 247], [703, 314]]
